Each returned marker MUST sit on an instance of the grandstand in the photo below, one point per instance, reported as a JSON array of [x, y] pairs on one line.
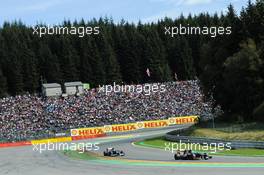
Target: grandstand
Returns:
[[29, 116]]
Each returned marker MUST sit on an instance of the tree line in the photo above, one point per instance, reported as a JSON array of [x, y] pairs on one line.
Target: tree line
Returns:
[[230, 67]]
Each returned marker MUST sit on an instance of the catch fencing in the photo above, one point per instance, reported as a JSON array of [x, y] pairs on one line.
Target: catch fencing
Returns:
[[203, 140]]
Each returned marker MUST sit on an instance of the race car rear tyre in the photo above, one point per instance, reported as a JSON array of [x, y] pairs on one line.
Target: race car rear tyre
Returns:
[[176, 157]]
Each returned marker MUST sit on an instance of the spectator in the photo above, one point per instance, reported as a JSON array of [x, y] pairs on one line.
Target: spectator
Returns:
[[28, 116]]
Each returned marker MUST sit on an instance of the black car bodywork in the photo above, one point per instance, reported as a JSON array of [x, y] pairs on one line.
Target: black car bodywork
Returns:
[[192, 156], [111, 152]]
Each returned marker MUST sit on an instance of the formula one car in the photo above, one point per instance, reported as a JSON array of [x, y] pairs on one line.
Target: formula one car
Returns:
[[111, 152], [189, 155]]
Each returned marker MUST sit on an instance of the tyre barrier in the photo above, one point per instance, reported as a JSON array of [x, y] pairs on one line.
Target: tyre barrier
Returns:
[[50, 140], [15, 144], [203, 140]]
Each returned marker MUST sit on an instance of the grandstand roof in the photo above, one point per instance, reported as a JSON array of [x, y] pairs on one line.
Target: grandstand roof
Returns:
[[51, 85], [76, 83]]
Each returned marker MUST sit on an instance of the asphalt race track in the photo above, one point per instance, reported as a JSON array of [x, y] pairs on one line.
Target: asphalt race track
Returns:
[[138, 160]]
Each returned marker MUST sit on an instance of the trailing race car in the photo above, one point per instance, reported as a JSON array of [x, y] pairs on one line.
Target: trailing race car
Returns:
[[113, 153], [189, 155]]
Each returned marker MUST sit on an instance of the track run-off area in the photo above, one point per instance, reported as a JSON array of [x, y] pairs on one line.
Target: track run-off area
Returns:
[[138, 160]]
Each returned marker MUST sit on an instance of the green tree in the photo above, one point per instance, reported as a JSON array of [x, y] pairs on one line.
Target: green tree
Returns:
[[111, 66], [155, 59], [49, 65], [67, 61], [242, 80], [3, 87]]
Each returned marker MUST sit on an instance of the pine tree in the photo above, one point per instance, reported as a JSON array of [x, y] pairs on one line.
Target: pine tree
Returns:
[[111, 66], [99, 74], [86, 52], [67, 61], [180, 57], [155, 59], [49, 65], [3, 87], [128, 56], [14, 76], [30, 76]]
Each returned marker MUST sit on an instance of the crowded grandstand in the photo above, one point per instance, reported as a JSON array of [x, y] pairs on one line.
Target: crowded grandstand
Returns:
[[28, 116]]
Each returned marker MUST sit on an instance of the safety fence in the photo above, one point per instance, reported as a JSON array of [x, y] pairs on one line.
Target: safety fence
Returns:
[[94, 132], [134, 126], [203, 140]]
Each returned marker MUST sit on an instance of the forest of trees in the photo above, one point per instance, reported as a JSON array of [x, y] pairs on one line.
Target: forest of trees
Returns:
[[230, 67]]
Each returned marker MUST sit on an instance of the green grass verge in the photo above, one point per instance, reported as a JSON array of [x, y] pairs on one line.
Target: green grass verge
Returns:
[[160, 143], [244, 135], [249, 131], [77, 155]]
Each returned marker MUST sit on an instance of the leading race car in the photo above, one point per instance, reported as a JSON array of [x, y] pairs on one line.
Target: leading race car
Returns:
[[189, 155], [112, 152]]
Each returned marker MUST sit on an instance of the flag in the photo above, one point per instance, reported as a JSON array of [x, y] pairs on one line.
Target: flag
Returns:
[[148, 72], [176, 76]]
